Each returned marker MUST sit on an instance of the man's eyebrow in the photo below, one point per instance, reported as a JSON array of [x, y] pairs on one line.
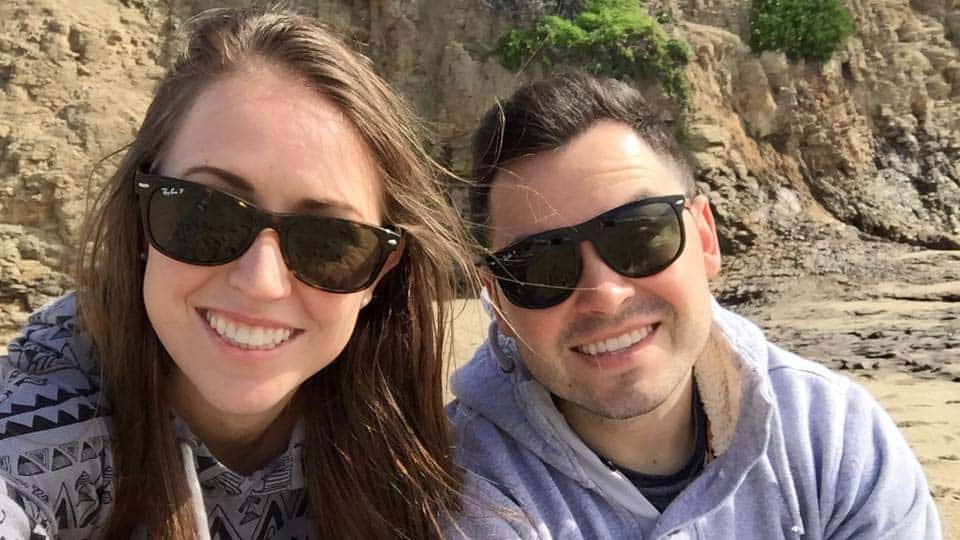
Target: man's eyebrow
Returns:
[[642, 193], [245, 188]]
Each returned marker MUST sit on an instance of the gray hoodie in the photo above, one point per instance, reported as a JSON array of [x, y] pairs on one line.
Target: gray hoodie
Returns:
[[799, 452], [56, 467]]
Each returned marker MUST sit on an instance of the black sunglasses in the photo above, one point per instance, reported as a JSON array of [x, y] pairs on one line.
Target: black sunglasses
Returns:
[[635, 240], [197, 224]]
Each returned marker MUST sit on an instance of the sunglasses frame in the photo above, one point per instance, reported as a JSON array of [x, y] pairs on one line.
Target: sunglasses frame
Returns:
[[388, 236], [584, 232]]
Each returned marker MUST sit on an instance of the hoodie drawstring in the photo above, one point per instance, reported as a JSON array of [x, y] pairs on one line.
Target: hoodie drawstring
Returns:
[[196, 496]]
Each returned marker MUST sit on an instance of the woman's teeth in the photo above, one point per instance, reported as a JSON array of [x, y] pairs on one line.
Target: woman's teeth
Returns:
[[248, 337], [615, 344]]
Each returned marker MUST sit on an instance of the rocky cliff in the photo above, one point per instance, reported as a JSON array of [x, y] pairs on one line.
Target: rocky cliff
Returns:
[[863, 146]]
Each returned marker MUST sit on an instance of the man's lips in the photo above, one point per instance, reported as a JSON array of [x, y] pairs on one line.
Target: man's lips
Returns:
[[616, 341]]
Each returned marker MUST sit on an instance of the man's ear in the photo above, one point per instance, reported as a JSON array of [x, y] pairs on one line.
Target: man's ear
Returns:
[[496, 300], [706, 234]]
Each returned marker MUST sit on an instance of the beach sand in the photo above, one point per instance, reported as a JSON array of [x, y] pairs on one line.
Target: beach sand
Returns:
[[928, 413], [927, 410]]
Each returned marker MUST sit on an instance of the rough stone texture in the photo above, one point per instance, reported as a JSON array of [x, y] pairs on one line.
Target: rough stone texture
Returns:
[[75, 78], [866, 145], [868, 138]]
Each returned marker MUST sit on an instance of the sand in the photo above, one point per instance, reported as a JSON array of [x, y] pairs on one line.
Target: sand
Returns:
[[927, 410]]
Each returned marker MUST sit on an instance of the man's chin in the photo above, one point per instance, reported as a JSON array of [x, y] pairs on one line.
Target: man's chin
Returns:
[[622, 409]]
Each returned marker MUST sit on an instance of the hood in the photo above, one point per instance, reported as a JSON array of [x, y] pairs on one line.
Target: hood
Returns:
[[719, 376], [51, 340], [53, 348], [731, 378]]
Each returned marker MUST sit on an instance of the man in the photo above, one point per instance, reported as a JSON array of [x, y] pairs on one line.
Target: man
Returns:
[[614, 397]]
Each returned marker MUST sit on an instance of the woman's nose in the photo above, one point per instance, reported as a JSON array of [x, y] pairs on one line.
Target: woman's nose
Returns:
[[261, 272]]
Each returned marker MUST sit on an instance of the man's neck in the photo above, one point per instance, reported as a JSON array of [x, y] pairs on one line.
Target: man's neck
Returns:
[[657, 443]]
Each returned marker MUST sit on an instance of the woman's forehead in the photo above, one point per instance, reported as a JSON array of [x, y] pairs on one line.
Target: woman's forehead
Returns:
[[283, 138]]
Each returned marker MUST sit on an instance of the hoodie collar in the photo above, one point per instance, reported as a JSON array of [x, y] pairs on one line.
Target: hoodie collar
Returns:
[[283, 473], [735, 392]]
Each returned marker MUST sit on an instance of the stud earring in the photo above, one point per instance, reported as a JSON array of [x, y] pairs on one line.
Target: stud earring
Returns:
[[143, 255], [365, 301]]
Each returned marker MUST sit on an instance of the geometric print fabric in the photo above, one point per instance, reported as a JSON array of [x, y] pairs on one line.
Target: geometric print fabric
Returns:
[[55, 459]]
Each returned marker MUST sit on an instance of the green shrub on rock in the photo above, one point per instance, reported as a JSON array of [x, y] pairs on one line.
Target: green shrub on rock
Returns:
[[807, 29], [615, 38]]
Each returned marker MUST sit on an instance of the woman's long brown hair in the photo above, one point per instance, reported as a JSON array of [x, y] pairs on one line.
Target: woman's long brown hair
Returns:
[[377, 454]]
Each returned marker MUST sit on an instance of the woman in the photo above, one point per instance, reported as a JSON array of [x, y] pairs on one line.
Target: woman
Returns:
[[260, 314]]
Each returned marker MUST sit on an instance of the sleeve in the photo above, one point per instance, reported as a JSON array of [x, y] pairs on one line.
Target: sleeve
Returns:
[[488, 514], [881, 491], [22, 517], [54, 442]]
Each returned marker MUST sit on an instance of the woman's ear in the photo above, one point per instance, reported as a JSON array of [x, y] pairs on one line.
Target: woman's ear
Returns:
[[394, 257], [392, 260]]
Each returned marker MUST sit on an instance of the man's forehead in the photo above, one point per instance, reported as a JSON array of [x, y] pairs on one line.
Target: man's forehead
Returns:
[[520, 208], [570, 185]]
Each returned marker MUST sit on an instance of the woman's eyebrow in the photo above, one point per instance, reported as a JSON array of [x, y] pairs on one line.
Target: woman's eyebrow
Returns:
[[244, 187], [235, 181]]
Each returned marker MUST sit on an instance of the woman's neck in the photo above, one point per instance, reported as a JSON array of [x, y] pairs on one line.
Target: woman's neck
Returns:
[[244, 443]]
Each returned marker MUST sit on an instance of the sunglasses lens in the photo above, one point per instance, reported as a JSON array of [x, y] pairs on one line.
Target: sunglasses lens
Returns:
[[538, 274], [333, 254], [636, 240], [197, 225], [641, 240]]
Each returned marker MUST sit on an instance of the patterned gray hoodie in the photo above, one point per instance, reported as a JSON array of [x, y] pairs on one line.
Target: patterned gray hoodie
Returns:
[[55, 459]]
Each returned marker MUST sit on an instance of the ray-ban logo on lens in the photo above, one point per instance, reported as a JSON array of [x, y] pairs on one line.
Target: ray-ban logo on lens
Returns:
[[170, 191]]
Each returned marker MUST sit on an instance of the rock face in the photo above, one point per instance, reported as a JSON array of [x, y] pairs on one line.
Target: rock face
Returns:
[[865, 144], [869, 138], [75, 78]]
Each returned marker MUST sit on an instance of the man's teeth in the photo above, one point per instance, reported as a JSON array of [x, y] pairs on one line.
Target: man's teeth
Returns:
[[248, 337], [615, 344]]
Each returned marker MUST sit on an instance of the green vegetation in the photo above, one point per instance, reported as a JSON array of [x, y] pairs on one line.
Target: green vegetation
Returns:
[[808, 29], [615, 38]]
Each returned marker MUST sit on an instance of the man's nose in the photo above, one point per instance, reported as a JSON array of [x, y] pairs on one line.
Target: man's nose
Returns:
[[600, 289], [261, 272]]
